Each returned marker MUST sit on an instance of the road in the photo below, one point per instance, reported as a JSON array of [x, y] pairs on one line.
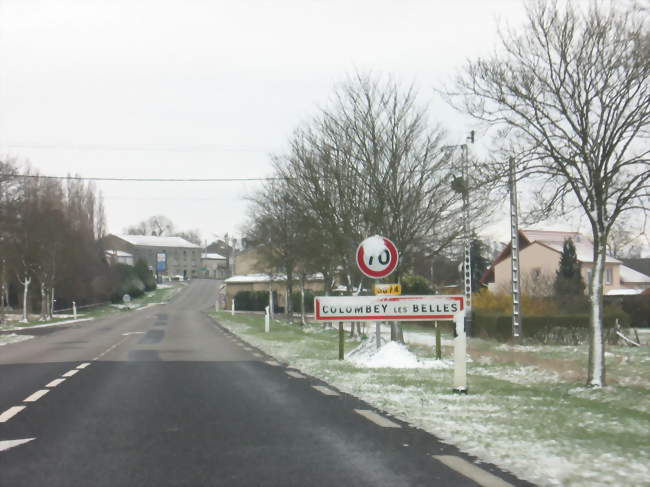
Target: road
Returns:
[[165, 396]]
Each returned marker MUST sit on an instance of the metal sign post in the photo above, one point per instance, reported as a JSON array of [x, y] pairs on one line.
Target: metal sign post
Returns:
[[161, 265], [401, 308]]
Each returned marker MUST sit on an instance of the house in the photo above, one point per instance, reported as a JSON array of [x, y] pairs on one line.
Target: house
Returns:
[[249, 261], [539, 258], [213, 265], [182, 258], [262, 282]]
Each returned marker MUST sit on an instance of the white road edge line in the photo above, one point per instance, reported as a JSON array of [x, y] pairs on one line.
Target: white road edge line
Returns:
[[295, 375], [55, 382], [377, 418], [36, 396], [70, 373], [10, 413], [6, 444], [83, 366], [326, 390], [273, 363], [471, 471]]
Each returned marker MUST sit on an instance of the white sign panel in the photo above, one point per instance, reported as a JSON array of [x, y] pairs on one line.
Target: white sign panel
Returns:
[[389, 308]]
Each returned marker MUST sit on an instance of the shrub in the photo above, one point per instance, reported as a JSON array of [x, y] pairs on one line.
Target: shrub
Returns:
[[145, 275], [568, 329], [414, 284], [638, 307], [489, 302], [125, 281]]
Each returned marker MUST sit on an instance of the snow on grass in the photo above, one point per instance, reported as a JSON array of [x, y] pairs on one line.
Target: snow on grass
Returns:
[[526, 419], [13, 338], [392, 355], [23, 326]]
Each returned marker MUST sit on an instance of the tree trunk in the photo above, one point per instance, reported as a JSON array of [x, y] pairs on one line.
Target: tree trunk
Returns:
[[596, 373], [302, 300], [51, 304], [25, 284], [44, 301], [289, 309]]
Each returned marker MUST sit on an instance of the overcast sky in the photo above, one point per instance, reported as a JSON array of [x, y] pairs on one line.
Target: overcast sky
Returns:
[[205, 89]]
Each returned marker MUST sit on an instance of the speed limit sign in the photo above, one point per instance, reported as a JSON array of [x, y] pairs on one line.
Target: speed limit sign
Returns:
[[377, 257]]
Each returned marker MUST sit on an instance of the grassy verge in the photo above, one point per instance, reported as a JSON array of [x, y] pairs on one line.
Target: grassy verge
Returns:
[[160, 295], [526, 418]]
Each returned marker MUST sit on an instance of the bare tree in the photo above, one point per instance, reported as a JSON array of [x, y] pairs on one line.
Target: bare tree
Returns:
[[275, 229], [571, 97], [371, 164], [157, 225]]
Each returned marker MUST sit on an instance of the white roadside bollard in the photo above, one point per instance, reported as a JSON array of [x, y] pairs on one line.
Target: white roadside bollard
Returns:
[[232, 308], [460, 356], [267, 321], [74, 310]]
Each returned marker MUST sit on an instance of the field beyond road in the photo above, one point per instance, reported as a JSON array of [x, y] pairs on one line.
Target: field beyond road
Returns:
[[528, 410]]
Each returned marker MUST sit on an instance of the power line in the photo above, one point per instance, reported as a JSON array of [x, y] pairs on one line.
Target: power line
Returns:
[[153, 180]]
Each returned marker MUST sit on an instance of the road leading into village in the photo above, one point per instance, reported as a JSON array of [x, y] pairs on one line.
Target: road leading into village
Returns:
[[165, 396]]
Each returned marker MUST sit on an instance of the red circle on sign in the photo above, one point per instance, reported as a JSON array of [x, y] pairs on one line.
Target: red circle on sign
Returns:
[[390, 266]]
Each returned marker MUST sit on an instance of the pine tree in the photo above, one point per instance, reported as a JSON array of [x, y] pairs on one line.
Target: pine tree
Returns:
[[568, 279]]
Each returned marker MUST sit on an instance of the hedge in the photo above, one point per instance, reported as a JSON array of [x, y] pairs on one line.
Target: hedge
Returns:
[[255, 301], [557, 329], [309, 301]]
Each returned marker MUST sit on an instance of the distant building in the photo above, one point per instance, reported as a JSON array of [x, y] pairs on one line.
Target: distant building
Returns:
[[183, 257], [119, 257], [249, 261], [539, 258], [214, 266]]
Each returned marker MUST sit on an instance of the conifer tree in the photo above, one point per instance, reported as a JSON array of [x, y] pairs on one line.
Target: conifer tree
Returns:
[[568, 279]]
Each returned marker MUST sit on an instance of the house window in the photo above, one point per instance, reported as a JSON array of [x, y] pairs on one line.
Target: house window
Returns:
[[536, 273], [609, 275]]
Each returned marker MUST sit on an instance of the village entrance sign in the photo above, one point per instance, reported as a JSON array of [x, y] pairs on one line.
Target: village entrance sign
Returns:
[[377, 257]]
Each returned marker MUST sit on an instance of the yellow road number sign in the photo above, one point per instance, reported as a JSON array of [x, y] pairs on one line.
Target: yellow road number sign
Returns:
[[388, 289]]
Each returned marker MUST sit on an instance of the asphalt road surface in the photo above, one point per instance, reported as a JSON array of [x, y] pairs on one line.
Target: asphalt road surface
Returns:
[[165, 396]]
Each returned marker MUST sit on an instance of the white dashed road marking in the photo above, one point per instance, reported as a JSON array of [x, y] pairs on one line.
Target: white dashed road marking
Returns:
[[109, 349], [6, 444], [36, 396], [471, 471], [326, 390], [10, 413], [70, 373], [377, 418], [273, 363], [295, 375], [55, 382], [83, 366]]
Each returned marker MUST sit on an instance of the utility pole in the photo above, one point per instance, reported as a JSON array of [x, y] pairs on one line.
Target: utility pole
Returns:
[[514, 244], [467, 265]]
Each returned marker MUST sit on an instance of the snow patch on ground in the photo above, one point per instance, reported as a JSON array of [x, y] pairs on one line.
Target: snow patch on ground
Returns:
[[13, 338], [391, 355], [523, 375], [46, 325]]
